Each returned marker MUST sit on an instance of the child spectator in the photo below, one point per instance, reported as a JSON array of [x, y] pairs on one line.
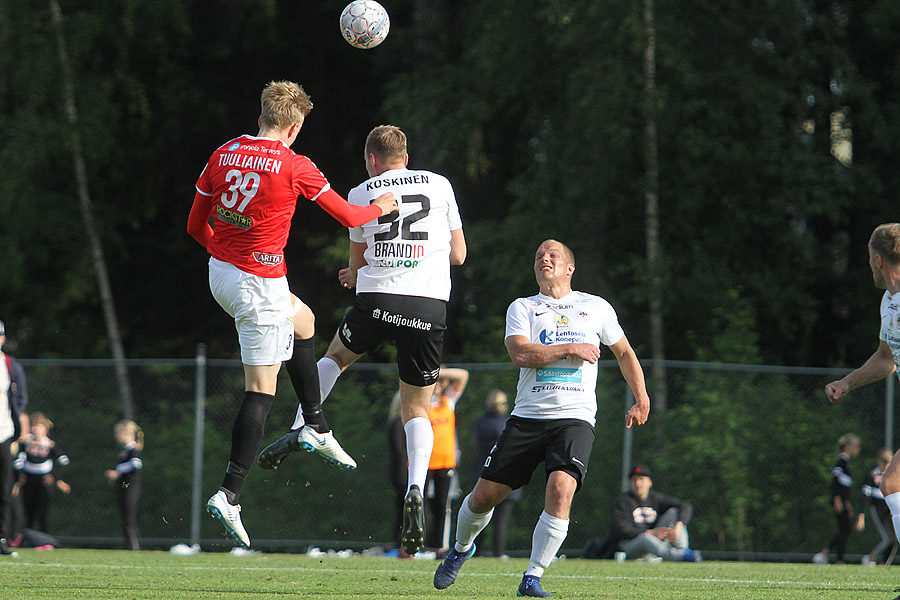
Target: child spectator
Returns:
[[127, 478], [39, 464]]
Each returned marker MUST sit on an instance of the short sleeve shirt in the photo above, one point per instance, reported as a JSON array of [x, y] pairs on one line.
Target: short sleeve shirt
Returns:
[[407, 254], [564, 389], [253, 184], [890, 324]]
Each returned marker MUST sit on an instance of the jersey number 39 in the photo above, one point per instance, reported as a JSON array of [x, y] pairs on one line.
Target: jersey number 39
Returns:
[[244, 185]]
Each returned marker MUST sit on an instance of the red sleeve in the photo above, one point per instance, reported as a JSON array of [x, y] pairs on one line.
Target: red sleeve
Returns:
[[198, 220], [349, 215]]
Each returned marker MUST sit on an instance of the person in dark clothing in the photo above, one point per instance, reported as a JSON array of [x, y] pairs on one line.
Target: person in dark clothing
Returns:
[[39, 464], [13, 425], [874, 504], [848, 447], [127, 478], [647, 522], [488, 428]]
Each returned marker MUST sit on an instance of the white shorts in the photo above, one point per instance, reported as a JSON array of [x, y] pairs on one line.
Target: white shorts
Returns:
[[262, 311]]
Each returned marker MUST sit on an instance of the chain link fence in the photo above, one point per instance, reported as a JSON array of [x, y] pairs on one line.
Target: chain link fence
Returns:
[[750, 446]]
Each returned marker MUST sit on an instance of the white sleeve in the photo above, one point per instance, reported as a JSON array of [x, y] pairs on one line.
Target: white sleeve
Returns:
[[518, 321], [453, 209], [610, 330]]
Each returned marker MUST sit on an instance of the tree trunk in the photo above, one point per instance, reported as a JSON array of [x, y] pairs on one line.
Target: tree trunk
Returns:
[[651, 199], [87, 214]]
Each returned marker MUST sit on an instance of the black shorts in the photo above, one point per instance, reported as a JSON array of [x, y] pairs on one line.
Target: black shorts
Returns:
[[415, 323], [561, 444]]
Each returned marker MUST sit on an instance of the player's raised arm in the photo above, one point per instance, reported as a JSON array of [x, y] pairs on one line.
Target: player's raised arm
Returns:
[[350, 215]]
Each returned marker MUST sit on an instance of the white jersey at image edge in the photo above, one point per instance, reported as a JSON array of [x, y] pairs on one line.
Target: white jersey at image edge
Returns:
[[409, 254], [564, 389], [890, 325]]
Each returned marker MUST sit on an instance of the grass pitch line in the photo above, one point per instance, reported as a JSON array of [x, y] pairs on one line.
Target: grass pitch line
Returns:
[[429, 570]]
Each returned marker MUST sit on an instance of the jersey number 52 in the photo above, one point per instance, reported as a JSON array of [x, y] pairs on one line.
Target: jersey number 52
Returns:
[[402, 226]]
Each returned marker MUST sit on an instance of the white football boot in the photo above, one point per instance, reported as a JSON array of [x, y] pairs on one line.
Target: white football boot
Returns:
[[326, 446], [230, 516]]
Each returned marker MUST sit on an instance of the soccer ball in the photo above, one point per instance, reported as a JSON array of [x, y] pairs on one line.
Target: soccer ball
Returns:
[[364, 24]]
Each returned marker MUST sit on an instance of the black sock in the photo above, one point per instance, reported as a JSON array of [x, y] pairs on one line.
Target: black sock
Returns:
[[304, 376], [246, 434]]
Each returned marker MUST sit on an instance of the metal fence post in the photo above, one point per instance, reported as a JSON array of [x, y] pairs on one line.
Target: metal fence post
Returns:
[[627, 441], [199, 423]]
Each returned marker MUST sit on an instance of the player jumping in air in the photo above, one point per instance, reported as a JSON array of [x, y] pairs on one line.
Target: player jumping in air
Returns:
[[250, 187]]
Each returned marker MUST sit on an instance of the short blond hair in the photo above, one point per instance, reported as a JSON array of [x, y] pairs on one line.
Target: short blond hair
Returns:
[[133, 430], [885, 242], [283, 104], [846, 440], [387, 142], [39, 418]]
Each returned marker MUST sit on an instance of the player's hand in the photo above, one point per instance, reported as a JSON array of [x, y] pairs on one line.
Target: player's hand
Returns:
[[660, 532], [64, 487], [587, 352], [347, 278], [836, 390], [387, 203], [638, 413]]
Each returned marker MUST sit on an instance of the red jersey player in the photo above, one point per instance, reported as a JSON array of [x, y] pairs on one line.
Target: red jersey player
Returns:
[[250, 186]]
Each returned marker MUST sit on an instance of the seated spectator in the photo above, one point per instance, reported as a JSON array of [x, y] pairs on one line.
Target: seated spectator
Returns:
[[647, 522]]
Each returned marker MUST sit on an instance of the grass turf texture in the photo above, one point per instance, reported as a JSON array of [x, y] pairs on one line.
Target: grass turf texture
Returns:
[[100, 574]]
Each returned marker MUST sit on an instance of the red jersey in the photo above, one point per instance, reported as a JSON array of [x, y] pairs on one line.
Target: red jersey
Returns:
[[252, 185]]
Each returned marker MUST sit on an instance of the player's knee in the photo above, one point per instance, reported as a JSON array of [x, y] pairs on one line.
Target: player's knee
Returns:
[[481, 500]]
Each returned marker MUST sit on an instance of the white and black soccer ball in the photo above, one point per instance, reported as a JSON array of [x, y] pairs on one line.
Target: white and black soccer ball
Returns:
[[364, 24]]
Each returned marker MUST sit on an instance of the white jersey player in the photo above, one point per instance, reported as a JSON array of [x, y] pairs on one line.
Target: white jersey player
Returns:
[[400, 266], [564, 388], [407, 254], [554, 338], [884, 262]]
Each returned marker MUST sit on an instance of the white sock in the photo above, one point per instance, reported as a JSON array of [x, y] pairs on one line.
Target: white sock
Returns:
[[549, 534], [329, 371], [419, 443], [469, 525], [893, 502]]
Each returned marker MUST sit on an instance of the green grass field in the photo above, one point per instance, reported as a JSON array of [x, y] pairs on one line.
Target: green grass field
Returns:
[[100, 574]]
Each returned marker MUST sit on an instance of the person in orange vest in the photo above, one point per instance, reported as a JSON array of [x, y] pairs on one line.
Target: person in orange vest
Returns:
[[442, 467]]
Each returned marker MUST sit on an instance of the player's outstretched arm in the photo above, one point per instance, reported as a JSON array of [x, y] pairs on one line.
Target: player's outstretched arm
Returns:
[[877, 367], [351, 215], [631, 370]]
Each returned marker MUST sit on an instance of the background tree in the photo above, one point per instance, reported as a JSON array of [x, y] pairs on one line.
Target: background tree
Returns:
[[534, 112]]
